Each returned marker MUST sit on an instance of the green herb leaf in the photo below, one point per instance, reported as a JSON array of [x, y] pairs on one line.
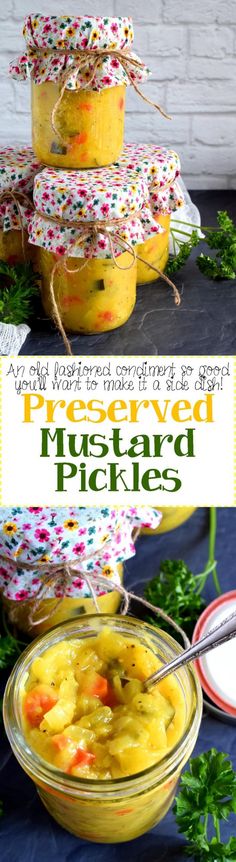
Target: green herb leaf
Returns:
[[174, 590], [10, 646], [207, 796], [18, 286], [221, 239], [9, 651], [175, 263], [214, 269]]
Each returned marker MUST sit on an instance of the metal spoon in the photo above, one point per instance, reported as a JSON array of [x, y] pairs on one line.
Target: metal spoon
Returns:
[[219, 635]]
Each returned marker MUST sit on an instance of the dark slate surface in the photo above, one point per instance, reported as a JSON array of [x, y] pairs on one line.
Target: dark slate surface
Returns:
[[205, 323], [27, 833]]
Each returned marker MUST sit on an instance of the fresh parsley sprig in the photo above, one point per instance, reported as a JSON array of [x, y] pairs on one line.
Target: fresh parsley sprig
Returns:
[[221, 239], [9, 651], [174, 590], [206, 797], [18, 287], [180, 258]]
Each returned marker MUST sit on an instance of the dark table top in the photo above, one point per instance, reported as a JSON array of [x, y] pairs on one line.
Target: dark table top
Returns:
[[27, 833], [205, 323]]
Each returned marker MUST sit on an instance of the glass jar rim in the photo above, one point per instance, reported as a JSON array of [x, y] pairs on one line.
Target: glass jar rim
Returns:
[[43, 772]]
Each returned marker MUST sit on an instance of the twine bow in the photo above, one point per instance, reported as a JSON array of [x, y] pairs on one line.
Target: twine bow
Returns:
[[90, 230], [52, 575], [18, 199], [127, 598], [94, 56]]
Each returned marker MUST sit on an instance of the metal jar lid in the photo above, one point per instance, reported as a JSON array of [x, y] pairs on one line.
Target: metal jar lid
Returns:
[[216, 669]]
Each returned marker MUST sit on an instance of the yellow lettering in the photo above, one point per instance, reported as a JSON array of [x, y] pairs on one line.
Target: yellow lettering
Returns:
[[32, 402], [203, 409], [51, 409], [180, 407], [114, 409], [72, 408], [92, 406], [161, 415]]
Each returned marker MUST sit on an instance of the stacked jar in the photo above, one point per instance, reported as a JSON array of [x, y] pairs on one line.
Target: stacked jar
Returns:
[[90, 273], [89, 203], [160, 168], [18, 167]]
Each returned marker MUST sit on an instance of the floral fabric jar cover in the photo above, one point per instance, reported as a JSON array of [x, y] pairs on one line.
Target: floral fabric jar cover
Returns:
[[18, 167], [46, 535], [160, 168], [69, 34], [96, 195]]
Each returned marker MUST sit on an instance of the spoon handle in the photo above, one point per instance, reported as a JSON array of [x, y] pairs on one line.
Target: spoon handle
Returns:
[[222, 633]]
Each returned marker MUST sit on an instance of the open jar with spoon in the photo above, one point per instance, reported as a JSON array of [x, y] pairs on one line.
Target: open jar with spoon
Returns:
[[104, 759]]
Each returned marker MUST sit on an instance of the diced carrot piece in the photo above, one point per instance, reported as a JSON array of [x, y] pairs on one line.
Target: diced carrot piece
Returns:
[[60, 741], [81, 138], [82, 758], [71, 300], [85, 106], [98, 687], [106, 315], [38, 701]]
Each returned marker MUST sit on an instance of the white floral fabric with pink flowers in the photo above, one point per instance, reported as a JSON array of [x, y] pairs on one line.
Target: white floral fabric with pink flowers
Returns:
[[97, 539], [18, 167], [160, 168], [89, 196], [51, 42]]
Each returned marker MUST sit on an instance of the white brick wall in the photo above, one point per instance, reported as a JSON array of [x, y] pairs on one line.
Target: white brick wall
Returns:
[[189, 45]]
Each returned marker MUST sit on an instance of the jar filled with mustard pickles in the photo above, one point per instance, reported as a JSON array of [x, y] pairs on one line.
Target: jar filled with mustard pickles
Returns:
[[86, 228], [18, 167], [46, 552], [160, 168], [79, 68], [115, 774]]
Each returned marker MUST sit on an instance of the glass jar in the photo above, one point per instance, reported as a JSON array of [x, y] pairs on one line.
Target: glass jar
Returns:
[[91, 125], [86, 227], [115, 810], [18, 168], [13, 248], [160, 168], [67, 609], [99, 298], [79, 68], [88, 541], [154, 251], [172, 517]]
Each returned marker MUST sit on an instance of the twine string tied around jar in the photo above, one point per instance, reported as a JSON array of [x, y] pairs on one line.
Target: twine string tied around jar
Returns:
[[95, 56], [52, 575], [90, 230], [19, 199], [64, 572], [92, 582]]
